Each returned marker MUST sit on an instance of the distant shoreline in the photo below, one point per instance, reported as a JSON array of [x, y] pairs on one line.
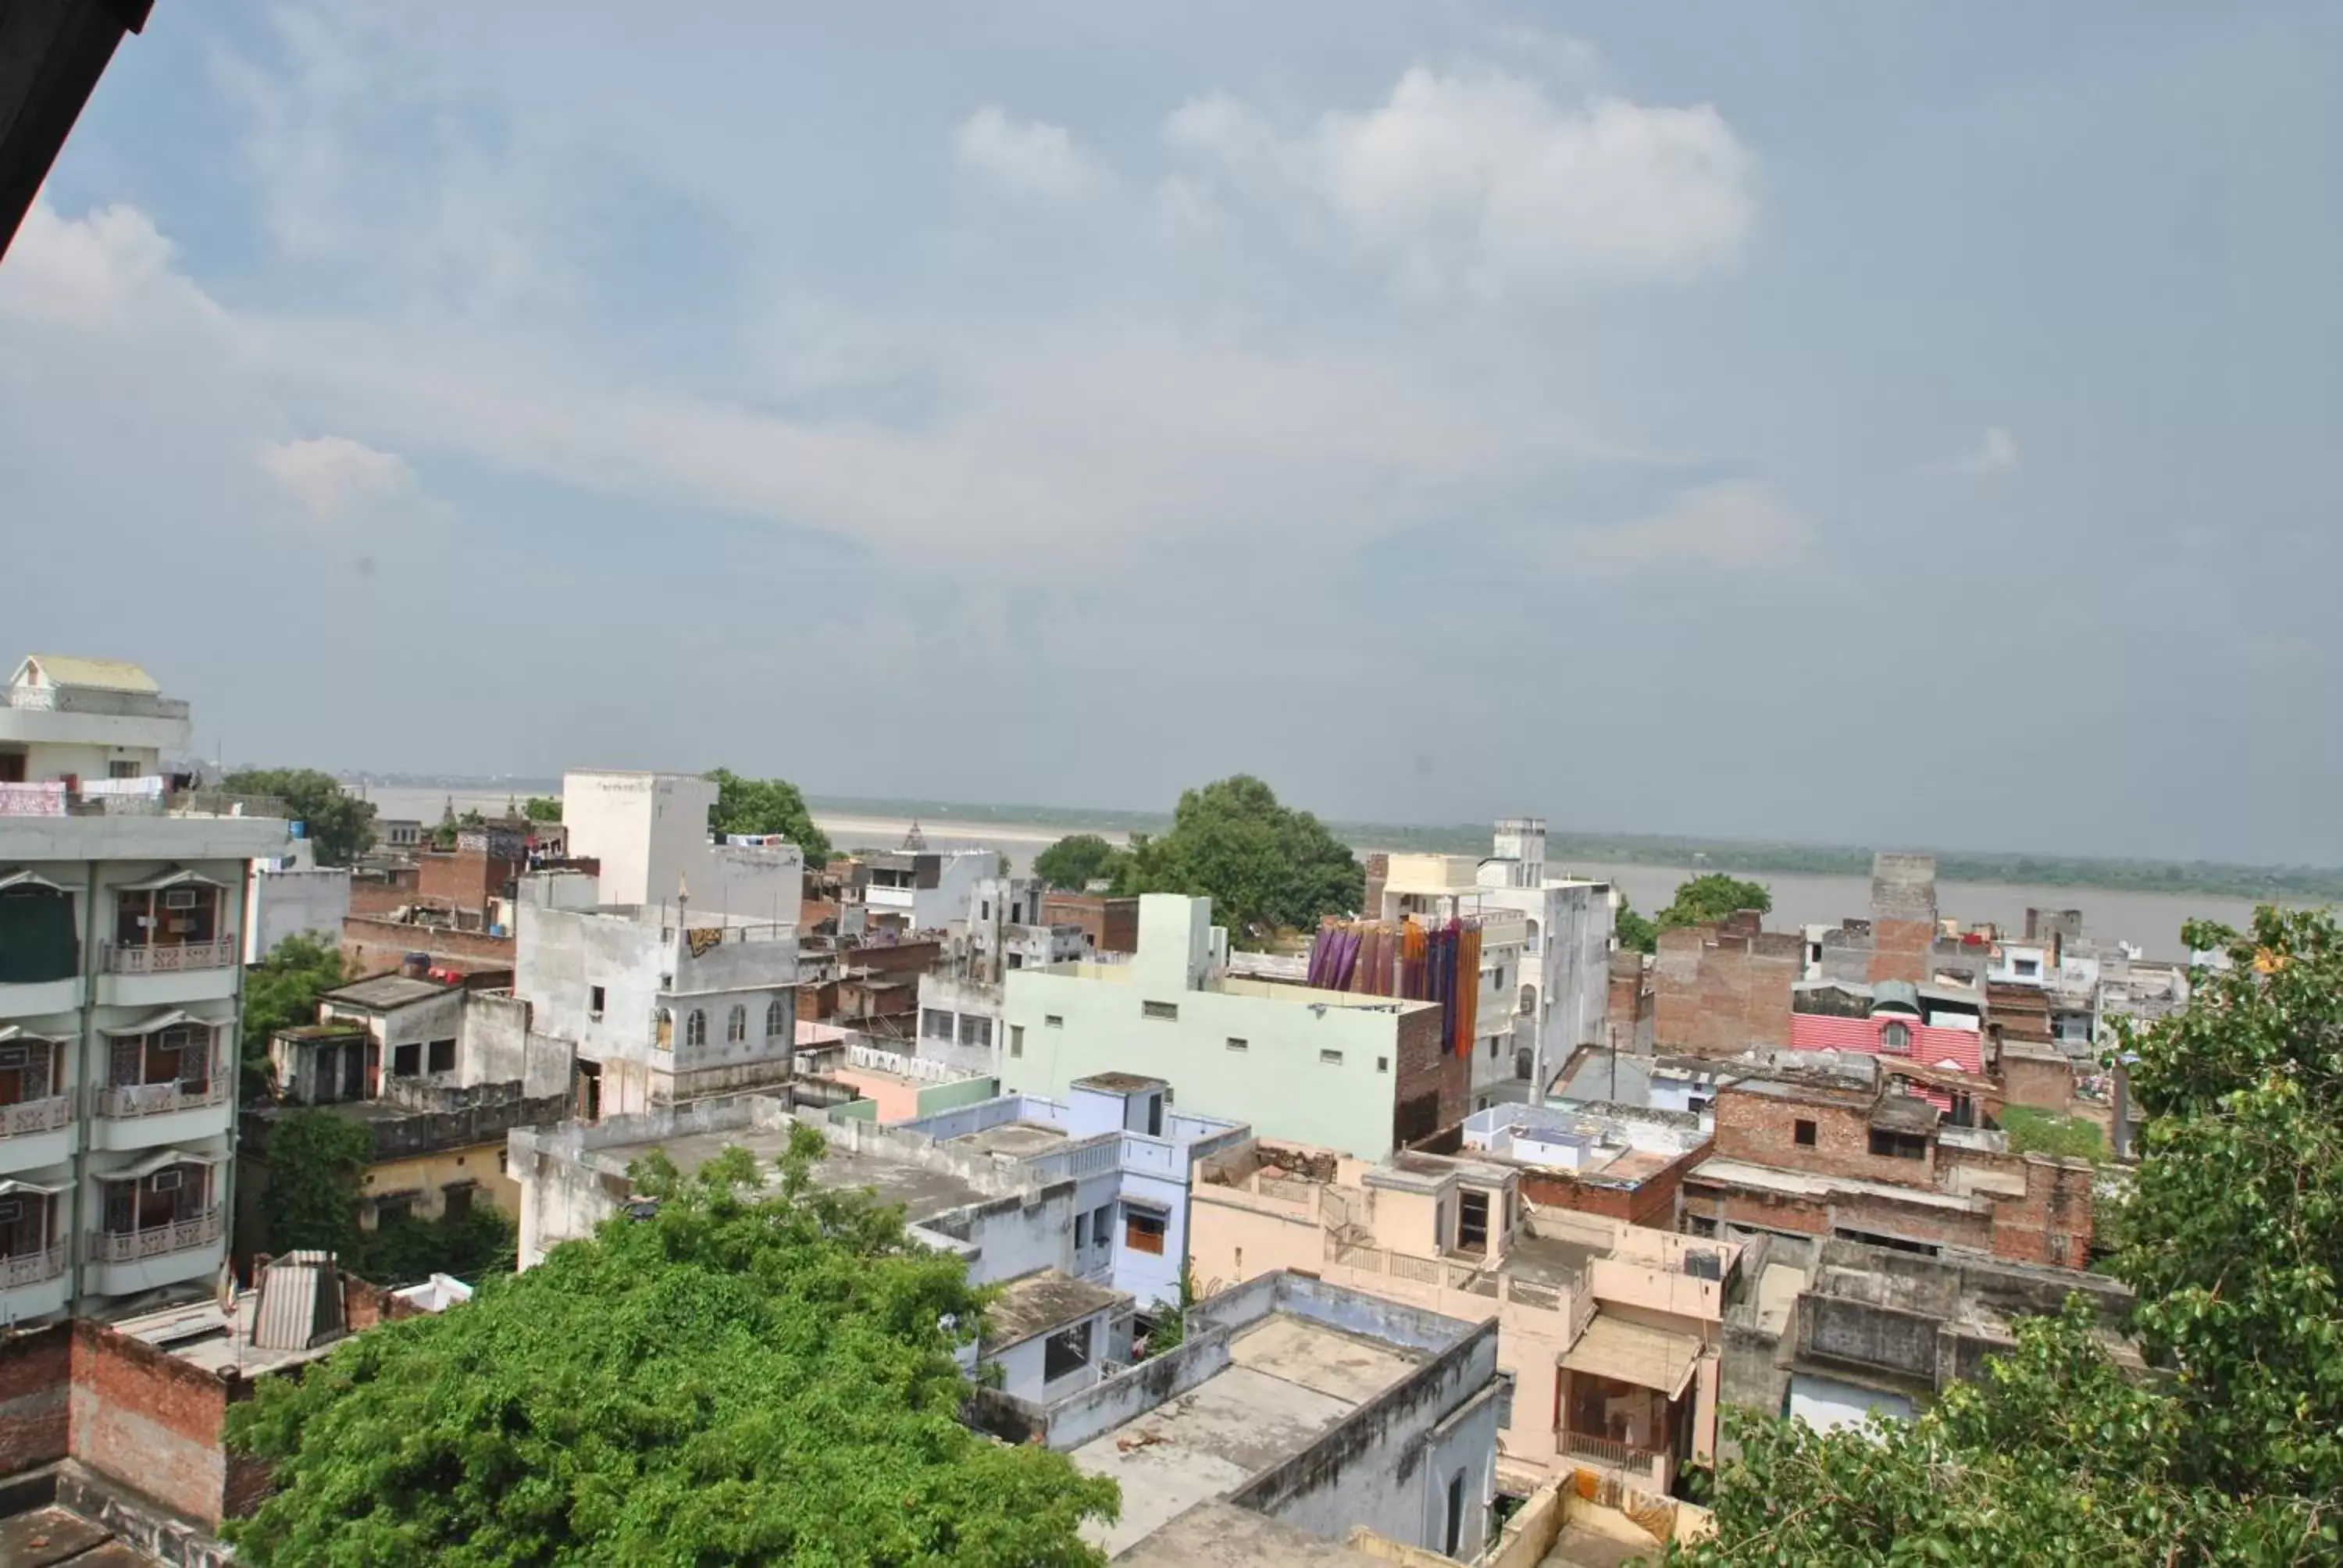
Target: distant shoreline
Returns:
[[1043, 824]]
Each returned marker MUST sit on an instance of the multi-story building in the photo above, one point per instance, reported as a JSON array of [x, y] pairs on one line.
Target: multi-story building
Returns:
[[1566, 973], [649, 833], [1612, 1334], [1433, 889], [920, 890], [1342, 1070], [123, 913]]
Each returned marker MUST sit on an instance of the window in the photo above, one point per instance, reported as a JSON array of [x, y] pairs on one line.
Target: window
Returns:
[[976, 1029], [1893, 1145], [1528, 1006], [504, 1161], [1168, 1011], [1143, 1232], [665, 1038], [736, 1024], [1382, 1064], [391, 1211], [407, 1060], [1895, 1037], [1016, 960], [1236, 1044], [1803, 1133], [1102, 1225], [443, 1056], [2027, 967], [1016, 1039], [1453, 1535], [935, 1023], [1065, 1353], [695, 1028], [1493, 1046], [1532, 926], [1330, 1059], [1052, 1021], [1472, 1221], [594, 999], [777, 1019], [1081, 1230], [119, 768], [984, 910], [455, 1202]]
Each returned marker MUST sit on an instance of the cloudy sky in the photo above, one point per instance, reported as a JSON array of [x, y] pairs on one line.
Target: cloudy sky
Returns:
[[1893, 423]]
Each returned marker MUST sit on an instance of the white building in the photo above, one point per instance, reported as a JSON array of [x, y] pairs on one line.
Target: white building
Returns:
[[650, 831], [925, 890], [1003, 931], [293, 896], [123, 914], [1431, 889], [1566, 973]]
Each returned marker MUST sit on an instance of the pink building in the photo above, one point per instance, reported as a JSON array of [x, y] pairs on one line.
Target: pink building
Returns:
[[1612, 1333], [1895, 1037]]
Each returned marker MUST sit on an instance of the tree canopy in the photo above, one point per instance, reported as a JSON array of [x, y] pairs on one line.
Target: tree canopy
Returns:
[[1704, 900], [2232, 1237], [280, 991], [748, 1377], [337, 822], [1073, 863], [766, 806], [1265, 865], [1634, 932], [541, 809], [316, 1164]]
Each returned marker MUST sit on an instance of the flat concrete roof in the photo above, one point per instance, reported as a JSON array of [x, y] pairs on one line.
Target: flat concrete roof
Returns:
[[200, 1335], [386, 991], [1015, 1139], [1290, 1381], [923, 1193], [65, 1538], [1119, 1082], [1042, 1302], [1548, 1260], [1220, 1535], [1803, 1184]]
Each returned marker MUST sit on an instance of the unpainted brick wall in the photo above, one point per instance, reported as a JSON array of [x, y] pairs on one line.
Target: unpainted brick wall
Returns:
[[1718, 991], [1426, 1072], [1762, 1130], [2052, 1223], [373, 946], [2040, 1082], [35, 1397], [1651, 1202], [150, 1421]]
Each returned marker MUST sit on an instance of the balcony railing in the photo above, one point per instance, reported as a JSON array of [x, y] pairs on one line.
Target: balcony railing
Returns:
[[159, 960], [1611, 1452], [27, 1117], [156, 1241], [32, 1267], [159, 1099]]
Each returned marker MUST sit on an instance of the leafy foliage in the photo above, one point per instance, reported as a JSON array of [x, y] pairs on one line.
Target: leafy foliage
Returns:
[[1704, 900], [1635, 933], [1265, 865], [1073, 863], [541, 809], [2233, 1238], [317, 1162], [743, 1379], [2036, 1131], [402, 1251], [338, 823], [766, 806], [280, 991]]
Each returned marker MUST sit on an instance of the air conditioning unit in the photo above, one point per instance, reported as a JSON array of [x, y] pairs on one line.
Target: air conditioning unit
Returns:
[[179, 898], [165, 1181]]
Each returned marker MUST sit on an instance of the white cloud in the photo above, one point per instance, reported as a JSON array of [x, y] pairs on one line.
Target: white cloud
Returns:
[[1736, 526], [1483, 183], [1030, 158], [109, 269], [1997, 453], [332, 475]]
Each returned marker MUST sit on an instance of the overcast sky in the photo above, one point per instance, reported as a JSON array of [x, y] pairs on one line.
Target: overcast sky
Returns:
[[1881, 423]]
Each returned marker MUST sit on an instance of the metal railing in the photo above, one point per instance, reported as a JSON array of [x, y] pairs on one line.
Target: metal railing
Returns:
[[32, 1267], [1609, 1450], [30, 1116], [156, 1241], [159, 1098], [165, 960]]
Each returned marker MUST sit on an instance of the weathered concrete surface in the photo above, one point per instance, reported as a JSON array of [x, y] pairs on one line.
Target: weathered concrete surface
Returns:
[[1217, 1535]]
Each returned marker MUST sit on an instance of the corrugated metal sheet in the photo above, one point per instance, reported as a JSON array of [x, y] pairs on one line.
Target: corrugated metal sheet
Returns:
[[300, 1302]]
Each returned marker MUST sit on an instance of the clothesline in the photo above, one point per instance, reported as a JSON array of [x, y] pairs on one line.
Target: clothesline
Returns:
[[1440, 963]]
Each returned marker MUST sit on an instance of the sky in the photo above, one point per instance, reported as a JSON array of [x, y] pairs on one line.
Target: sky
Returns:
[[1895, 423]]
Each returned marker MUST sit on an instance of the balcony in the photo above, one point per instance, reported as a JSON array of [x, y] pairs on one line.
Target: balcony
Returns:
[[156, 1241], [134, 1100], [1649, 1465], [32, 1268], [180, 959], [29, 1118]]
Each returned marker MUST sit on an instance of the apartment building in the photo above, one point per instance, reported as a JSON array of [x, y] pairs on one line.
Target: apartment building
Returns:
[[1433, 889], [649, 834], [123, 913], [1365, 1074], [1611, 1333]]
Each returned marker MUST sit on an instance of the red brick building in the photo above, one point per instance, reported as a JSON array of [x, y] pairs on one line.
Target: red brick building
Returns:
[[1108, 925], [1722, 989]]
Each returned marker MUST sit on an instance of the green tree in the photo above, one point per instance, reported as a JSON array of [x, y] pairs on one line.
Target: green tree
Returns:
[[744, 1378], [766, 806], [317, 1163], [1074, 862], [541, 809], [1635, 933], [280, 991], [403, 1251], [1704, 900], [337, 822], [2231, 1237], [1265, 866]]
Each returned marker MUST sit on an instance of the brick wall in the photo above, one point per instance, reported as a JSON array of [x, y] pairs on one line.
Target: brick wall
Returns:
[[2052, 1223], [1430, 1084], [2043, 1080], [371, 897], [35, 1397], [1762, 1130], [463, 879], [372, 946], [1628, 1023], [1718, 991], [1651, 1202], [1111, 924], [150, 1421], [1903, 916]]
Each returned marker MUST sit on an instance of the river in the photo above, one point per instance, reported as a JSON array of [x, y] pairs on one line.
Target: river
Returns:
[[2152, 921]]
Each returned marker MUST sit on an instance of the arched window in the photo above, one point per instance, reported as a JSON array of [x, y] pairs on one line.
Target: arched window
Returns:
[[1529, 1001], [1532, 936], [666, 1028], [1895, 1037], [777, 1019], [695, 1028], [736, 1024]]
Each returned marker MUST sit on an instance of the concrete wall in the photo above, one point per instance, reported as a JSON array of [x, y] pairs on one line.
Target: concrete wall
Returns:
[[650, 831], [311, 901]]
